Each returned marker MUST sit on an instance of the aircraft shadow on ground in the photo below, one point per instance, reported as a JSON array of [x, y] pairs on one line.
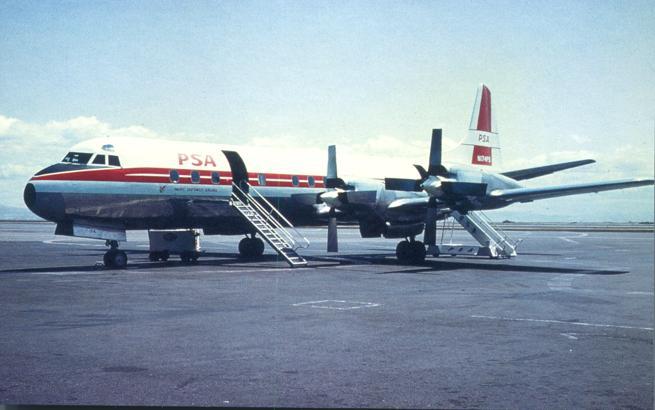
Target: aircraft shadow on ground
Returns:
[[433, 265], [270, 261]]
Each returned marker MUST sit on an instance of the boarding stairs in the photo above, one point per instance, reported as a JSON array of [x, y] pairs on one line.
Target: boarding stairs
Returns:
[[270, 224], [494, 242]]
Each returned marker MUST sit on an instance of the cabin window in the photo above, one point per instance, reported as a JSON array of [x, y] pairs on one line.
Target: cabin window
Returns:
[[311, 181], [261, 178], [295, 181], [99, 160], [114, 161], [175, 176], [77, 158], [195, 177], [216, 178]]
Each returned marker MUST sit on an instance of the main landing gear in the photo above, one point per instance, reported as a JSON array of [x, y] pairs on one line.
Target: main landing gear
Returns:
[[114, 258], [251, 247], [410, 251]]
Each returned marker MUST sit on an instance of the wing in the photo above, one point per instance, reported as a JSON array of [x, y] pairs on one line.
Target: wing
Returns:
[[529, 173], [413, 208], [531, 194]]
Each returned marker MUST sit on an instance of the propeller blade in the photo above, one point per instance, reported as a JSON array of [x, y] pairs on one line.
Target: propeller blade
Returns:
[[402, 184], [332, 163], [430, 235], [332, 239], [434, 166], [422, 172]]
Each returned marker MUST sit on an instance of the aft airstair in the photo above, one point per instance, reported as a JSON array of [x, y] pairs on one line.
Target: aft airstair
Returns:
[[270, 224], [494, 242]]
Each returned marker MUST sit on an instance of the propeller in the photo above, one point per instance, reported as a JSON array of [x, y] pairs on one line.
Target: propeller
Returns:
[[431, 180], [341, 198], [331, 198], [432, 184], [438, 184]]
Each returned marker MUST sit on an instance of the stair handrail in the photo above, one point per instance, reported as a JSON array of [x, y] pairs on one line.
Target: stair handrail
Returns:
[[299, 242], [262, 213], [503, 234]]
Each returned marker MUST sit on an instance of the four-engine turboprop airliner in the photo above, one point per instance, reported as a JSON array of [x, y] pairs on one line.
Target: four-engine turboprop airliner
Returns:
[[105, 186]]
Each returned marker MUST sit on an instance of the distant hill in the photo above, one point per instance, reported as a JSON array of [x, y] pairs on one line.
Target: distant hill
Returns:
[[16, 213]]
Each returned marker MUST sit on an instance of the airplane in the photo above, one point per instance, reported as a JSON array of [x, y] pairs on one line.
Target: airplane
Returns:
[[104, 187]]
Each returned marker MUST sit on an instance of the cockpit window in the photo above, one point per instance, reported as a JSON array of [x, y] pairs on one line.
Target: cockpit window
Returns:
[[114, 161], [99, 160], [77, 158]]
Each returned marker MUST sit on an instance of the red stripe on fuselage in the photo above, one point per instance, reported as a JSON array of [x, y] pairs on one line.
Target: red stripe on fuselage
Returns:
[[161, 176]]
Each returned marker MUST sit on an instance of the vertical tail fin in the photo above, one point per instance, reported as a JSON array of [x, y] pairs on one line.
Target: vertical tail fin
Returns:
[[481, 147], [481, 117]]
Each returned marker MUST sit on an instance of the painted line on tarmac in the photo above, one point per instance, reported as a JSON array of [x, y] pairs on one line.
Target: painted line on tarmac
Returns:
[[564, 283], [568, 238], [249, 269], [330, 304], [563, 322], [70, 273]]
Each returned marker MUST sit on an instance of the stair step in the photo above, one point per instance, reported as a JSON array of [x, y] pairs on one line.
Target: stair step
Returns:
[[485, 233], [267, 223]]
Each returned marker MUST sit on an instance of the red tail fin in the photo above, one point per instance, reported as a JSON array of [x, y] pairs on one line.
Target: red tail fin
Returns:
[[484, 115], [481, 148]]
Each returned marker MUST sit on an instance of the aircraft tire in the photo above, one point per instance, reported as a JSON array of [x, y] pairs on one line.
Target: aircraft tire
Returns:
[[258, 247], [115, 259], [246, 248], [404, 251], [251, 248], [418, 252], [120, 260], [107, 259]]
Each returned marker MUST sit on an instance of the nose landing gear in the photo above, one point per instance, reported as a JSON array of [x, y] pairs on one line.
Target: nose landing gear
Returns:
[[114, 258], [410, 251]]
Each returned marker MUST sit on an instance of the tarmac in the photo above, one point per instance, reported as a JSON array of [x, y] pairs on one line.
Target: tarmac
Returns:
[[566, 324]]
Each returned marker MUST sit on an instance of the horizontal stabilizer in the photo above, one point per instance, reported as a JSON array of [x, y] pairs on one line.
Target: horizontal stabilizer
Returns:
[[529, 173], [531, 194], [402, 184]]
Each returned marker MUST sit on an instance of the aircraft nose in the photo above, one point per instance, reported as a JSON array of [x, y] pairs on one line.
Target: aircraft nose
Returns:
[[29, 197], [49, 206]]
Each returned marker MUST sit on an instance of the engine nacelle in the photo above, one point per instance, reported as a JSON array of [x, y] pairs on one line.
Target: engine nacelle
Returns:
[[403, 231], [371, 228]]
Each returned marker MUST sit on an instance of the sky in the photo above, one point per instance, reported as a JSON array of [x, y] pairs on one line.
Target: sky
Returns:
[[570, 80]]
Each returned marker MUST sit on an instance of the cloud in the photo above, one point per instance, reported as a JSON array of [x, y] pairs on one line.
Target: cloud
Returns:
[[580, 139], [6, 123]]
